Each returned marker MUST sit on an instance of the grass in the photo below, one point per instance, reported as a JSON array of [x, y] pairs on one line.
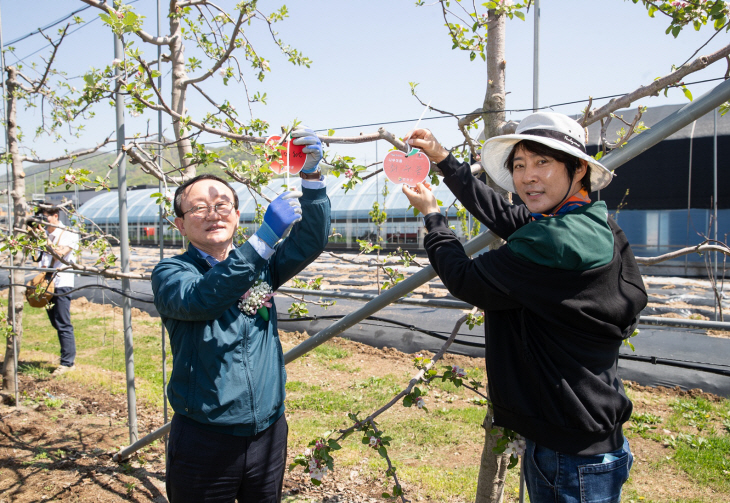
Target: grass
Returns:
[[436, 452], [99, 343]]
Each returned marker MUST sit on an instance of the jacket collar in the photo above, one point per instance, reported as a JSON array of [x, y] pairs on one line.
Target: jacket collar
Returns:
[[197, 258]]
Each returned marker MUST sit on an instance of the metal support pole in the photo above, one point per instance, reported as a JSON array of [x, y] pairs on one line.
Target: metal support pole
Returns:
[[124, 249], [388, 297], [536, 57], [714, 201], [689, 192], [161, 233], [669, 125]]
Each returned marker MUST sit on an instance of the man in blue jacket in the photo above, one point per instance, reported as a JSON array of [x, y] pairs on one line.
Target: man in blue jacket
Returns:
[[229, 433]]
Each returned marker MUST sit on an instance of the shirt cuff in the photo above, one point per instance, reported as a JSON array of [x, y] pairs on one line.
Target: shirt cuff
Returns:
[[314, 184], [260, 247]]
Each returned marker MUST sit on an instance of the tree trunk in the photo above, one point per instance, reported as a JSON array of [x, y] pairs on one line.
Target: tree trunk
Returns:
[[179, 91], [493, 468], [494, 99], [19, 220]]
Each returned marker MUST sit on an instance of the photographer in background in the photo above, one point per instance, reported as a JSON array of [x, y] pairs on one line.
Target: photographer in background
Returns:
[[63, 242]]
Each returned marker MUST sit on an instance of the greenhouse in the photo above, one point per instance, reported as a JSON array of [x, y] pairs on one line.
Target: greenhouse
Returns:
[[350, 213]]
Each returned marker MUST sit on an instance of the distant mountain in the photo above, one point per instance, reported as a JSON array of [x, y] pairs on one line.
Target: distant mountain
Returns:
[[98, 163]]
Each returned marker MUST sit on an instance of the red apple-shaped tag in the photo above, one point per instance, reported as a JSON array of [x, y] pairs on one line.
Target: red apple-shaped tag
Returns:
[[408, 170], [296, 157]]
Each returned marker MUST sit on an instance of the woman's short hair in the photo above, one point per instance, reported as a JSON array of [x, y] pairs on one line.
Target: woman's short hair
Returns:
[[572, 163]]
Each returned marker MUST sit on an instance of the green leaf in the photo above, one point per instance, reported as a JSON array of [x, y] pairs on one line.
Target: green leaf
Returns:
[[382, 451], [687, 93], [520, 15], [386, 496]]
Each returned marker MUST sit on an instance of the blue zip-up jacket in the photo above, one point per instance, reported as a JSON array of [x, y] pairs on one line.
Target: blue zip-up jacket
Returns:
[[228, 368]]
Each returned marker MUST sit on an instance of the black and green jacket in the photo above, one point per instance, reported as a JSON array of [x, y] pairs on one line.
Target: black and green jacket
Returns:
[[559, 300]]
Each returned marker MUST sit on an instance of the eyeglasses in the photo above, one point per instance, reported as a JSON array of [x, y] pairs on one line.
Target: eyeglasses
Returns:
[[201, 210]]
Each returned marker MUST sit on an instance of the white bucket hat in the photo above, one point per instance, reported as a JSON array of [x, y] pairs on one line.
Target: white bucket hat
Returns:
[[555, 130]]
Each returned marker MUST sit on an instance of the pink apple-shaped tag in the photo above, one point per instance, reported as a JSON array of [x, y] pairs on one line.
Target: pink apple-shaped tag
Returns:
[[296, 156], [408, 170]]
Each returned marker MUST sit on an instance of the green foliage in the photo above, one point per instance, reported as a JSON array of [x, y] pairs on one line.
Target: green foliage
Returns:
[[34, 370], [123, 19], [627, 342], [310, 284], [298, 310], [691, 12], [394, 276], [330, 352], [345, 165], [367, 246], [472, 35], [724, 108], [53, 402], [475, 319], [462, 215]]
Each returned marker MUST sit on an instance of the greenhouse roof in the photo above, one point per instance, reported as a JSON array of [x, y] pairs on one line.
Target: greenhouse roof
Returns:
[[355, 204]]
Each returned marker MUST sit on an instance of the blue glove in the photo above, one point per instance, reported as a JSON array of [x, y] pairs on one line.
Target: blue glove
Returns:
[[305, 136], [282, 213]]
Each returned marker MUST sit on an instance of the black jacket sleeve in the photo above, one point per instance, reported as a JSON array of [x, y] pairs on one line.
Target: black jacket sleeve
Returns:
[[499, 215], [460, 274]]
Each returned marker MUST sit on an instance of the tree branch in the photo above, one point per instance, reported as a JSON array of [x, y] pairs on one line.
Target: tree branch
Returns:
[[231, 46], [702, 247], [655, 87], [74, 154], [141, 33]]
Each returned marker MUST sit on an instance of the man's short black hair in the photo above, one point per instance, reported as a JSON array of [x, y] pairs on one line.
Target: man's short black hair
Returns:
[[54, 210], [177, 203], [571, 162]]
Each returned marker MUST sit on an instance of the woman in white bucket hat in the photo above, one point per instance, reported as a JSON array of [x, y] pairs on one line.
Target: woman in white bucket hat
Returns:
[[559, 300]]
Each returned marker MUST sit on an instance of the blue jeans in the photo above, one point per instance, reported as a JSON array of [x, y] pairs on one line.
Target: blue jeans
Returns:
[[553, 476], [60, 316], [204, 466]]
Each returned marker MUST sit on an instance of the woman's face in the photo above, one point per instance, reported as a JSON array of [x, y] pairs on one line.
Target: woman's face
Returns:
[[541, 181]]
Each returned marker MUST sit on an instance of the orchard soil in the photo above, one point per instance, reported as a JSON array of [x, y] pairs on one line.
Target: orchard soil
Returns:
[[58, 444], [51, 453]]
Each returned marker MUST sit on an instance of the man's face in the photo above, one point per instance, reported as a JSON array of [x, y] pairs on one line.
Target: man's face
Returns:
[[52, 221], [541, 181], [210, 231]]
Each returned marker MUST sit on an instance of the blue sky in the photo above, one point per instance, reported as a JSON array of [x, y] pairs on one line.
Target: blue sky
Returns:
[[366, 52]]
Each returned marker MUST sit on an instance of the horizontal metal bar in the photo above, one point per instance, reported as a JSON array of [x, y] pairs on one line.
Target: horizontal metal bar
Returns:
[[674, 363], [684, 323]]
